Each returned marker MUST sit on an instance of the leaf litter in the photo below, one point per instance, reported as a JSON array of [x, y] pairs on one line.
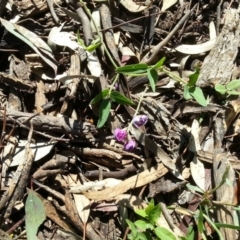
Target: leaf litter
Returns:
[[119, 114]]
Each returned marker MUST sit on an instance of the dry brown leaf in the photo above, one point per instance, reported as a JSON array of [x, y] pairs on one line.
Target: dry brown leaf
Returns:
[[138, 180], [131, 6], [82, 205], [167, 4], [52, 213]]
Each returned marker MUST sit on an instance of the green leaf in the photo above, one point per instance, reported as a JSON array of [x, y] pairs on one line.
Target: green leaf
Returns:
[[132, 228], [234, 84], [159, 63], [141, 236], [200, 221], [197, 94], [213, 226], [104, 110], [141, 212], [186, 93], [49, 59], [80, 41], [154, 214], [35, 215], [94, 44], [193, 78], [223, 225], [164, 234], [220, 88], [150, 206], [100, 96], [233, 93], [119, 98], [194, 188], [132, 68], [153, 78], [190, 233], [143, 225]]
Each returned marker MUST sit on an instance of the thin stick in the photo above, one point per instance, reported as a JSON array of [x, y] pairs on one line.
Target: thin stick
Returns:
[[155, 50]]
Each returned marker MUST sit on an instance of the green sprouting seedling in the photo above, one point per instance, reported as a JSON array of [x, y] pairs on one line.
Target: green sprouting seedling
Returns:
[[106, 97], [206, 205], [192, 91], [142, 69], [146, 227], [94, 44], [228, 89]]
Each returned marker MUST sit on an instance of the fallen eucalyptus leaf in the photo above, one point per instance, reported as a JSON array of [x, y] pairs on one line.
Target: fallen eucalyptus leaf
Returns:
[[196, 49], [35, 214], [40, 150], [131, 6]]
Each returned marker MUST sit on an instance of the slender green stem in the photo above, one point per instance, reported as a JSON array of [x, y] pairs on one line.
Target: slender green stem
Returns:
[[137, 109], [99, 35], [213, 226], [174, 76], [113, 83]]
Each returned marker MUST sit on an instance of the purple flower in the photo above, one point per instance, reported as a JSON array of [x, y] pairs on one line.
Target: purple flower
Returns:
[[130, 145], [140, 120], [120, 134], [116, 86]]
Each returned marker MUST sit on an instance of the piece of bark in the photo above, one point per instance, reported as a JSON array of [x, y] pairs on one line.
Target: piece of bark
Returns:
[[19, 181], [71, 90], [32, 7], [40, 98], [46, 123], [218, 66], [109, 35], [208, 157], [17, 83], [225, 193]]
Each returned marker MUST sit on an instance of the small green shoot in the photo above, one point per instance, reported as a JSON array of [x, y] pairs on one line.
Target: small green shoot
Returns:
[[146, 227], [94, 44], [192, 91], [229, 89]]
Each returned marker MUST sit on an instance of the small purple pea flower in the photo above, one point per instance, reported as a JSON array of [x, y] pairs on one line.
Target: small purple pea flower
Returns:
[[120, 134], [130, 145], [140, 120]]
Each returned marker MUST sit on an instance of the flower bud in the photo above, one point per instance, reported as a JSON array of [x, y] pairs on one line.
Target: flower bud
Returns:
[[140, 120], [130, 145], [120, 134]]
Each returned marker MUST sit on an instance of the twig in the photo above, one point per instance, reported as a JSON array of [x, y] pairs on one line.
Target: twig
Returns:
[[155, 50], [53, 13]]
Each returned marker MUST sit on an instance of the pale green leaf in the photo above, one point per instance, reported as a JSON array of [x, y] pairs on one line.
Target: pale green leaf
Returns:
[[35, 215], [164, 234], [119, 98], [153, 78], [104, 110], [132, 228], [197, 94], [186, 93], [235, 93], [193, 77], [154, 214], [143, 225], [233, 85], [220, 88], [132, 68], [100, 96], [159, 63]]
